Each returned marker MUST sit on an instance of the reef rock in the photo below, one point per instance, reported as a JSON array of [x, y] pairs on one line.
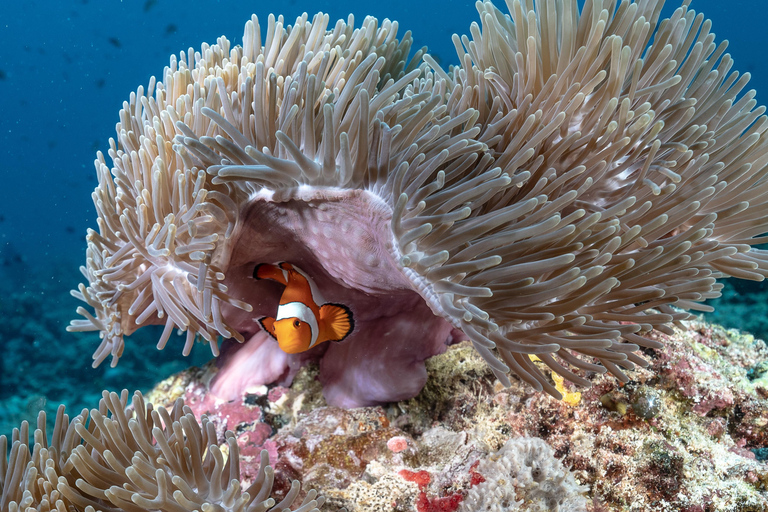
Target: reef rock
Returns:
[[689, 433]]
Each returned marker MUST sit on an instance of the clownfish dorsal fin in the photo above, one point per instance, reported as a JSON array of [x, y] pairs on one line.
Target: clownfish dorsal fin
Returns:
[[273, 272], [337, 321], [268, 324]]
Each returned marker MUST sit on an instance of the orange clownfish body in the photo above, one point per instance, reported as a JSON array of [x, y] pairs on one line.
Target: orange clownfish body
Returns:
[[304, 319]]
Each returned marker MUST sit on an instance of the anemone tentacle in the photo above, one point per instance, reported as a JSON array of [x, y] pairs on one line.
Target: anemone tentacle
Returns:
[[579, 180]]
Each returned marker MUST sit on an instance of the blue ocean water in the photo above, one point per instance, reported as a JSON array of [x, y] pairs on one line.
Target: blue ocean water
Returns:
[[65, 69]]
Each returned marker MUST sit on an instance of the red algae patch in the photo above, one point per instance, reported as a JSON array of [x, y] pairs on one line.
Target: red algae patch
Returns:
[[420, 478]]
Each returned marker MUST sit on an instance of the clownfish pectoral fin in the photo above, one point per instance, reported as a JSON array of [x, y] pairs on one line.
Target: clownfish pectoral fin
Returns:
[[337, 320], [268, 271], [268, 324]]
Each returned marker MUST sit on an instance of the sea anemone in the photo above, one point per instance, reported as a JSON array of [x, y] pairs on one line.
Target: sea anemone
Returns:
[[135, 459], [578, 181]]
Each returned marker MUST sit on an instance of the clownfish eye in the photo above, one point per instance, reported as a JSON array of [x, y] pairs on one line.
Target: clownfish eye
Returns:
[[296, 323]]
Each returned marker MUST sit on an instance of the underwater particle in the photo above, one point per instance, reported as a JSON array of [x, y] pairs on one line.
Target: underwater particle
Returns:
[[114, 42], [171, 29]]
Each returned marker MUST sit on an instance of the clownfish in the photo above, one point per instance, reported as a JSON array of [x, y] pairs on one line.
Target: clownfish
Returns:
[[304, 319]]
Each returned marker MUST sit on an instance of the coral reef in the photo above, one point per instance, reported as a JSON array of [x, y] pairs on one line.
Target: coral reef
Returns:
[[561, 198], [666, 441], [524, 475], [133, 459], [578, 174]]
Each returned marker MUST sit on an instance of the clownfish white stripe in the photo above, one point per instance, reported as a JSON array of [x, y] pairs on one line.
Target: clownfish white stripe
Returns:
[[302, 312], [317, 297]]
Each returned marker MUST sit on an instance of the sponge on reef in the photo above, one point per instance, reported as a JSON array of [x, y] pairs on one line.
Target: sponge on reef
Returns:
[[524, 475]]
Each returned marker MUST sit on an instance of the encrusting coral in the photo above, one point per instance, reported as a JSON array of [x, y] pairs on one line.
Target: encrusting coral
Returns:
[[133, 459], [525, 470], [579, 180]]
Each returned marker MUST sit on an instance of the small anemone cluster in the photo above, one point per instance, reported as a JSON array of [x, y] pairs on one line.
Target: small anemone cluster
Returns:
[[137, 458]]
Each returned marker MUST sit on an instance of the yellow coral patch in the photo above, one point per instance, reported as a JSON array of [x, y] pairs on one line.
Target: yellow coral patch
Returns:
[[571, 398]]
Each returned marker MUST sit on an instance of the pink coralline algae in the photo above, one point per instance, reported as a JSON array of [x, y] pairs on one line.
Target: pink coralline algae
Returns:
[[712, 393], [397, 444]]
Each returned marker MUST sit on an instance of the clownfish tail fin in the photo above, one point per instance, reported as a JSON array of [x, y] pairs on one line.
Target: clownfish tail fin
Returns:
[[338, 321], [268, 324], [268, 271]]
